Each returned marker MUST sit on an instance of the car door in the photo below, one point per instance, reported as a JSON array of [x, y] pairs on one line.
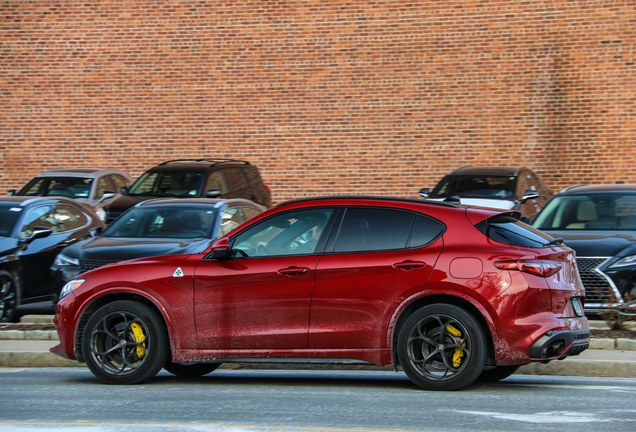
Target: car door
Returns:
[[260, 298], [374, 260]]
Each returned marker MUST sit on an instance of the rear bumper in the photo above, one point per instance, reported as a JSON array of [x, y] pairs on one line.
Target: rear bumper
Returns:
[[557, 345]]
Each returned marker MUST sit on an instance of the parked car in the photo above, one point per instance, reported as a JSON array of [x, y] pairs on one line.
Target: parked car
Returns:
[[93, 186], [504, 188], [599, 223], [452, 294], [195, 178], [32, 232], [156, 227]]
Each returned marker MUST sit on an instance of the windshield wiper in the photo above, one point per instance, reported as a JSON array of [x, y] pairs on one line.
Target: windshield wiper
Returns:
[[554, 242]]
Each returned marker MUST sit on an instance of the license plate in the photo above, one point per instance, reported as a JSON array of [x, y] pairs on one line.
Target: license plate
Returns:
[[578, 309]]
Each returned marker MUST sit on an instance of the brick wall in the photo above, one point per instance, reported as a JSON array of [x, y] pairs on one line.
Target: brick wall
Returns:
[[325, 96]]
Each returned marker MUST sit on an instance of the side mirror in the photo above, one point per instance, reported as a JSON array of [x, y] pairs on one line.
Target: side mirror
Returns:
[[123, 190], [424, 192], [221, 249], [94, 232], [213, 193], [529, 194], [37, 233], [107, 195], [11, 192]]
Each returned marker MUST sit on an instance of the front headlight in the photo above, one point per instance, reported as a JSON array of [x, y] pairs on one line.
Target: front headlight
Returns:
[[62, 260], [70, 286], [624, 262], [101, 213]]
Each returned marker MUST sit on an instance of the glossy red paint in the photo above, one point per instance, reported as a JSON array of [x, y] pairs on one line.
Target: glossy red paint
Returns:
[[340, 306]]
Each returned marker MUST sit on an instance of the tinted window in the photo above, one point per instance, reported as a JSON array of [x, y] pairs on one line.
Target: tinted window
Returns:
[[253, 177], [164, 222], [69, 218], [230, 219], [425, 231], [508, 230], [70, 187], [592, 211], [8, 217], [216, 182], [119, 182], [475, 186], [249, 212], [291, 233], [103, 185], [42, 216], [180, 184], [373, 229]]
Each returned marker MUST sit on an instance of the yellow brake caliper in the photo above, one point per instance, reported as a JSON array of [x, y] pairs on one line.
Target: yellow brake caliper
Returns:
[[459, 353], [139, 338]]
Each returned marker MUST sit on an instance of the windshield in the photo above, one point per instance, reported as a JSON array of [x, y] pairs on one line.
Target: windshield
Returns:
[[70, 187], [168, 184], [9, 215], [184, 222], [591, 211], [476, 186]]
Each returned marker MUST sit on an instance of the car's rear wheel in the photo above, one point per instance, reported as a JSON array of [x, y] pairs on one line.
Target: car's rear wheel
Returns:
[[190, 370], [442, 347], [125, 342], [9, 298], [497, 373]]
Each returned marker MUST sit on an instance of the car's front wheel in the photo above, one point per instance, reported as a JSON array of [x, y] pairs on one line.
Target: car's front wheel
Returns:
[[442, 347], [9, 297], [125, 342]]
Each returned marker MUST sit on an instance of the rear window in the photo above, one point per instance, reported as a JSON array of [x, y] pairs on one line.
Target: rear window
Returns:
[[508, 230]]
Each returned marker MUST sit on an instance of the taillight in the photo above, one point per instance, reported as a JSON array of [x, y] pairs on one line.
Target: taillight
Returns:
[[539, 268]]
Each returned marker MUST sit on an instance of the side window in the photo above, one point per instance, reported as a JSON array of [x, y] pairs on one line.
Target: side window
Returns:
[[145, 184], [373, 229], [253, 177], [69, 218], [230, 219], [119, 182], [249, 213], [235, 179], [42, 216], [425, 231], [34, 188], [291, 233], [103, 185], [216, 182]]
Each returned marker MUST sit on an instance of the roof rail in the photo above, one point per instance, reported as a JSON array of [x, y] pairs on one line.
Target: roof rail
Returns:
[[220, 160], [569, 188]]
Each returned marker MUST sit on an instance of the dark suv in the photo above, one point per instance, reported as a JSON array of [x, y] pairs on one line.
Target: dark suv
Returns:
[[195, 178], [506, 188], [599, 223]]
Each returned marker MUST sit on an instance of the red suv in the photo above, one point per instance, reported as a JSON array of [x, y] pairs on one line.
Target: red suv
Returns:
[[449, 293]]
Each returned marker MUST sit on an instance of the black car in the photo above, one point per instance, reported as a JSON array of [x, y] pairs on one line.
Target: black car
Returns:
[[195, 178], [156, 227], [507, 188], [599, 223], [32, 232]]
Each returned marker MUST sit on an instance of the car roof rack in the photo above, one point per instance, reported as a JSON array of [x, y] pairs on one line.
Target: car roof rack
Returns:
[[219, 160]]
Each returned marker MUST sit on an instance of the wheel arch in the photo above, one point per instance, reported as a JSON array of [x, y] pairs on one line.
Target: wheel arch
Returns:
[[478, 313], [108, 298]]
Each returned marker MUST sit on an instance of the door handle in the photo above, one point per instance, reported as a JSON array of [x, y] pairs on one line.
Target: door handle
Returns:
[[293, 271], [409, 265]]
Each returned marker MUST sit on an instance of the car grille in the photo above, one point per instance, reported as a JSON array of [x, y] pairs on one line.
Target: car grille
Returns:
[[90, 265], [599, 288]]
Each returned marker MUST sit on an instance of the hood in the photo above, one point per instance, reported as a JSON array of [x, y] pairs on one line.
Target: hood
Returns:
[[121, 249], [596, 243], [7, 244]]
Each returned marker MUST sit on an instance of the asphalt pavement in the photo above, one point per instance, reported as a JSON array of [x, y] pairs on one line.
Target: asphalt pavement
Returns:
[[605, 358]]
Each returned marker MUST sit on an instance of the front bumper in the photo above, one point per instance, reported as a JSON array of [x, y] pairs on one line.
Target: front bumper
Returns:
[[557, 345]]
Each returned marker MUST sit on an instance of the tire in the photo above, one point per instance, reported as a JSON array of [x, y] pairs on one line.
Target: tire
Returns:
[[497, 373], [190, 370], [9, 298], [125, 342], [442, 347]]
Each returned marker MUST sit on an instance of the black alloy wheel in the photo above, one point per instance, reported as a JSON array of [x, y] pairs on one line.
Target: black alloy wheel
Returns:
[[497, 373], [190, 370], [9, 298], [442, 347], [125, 342]]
